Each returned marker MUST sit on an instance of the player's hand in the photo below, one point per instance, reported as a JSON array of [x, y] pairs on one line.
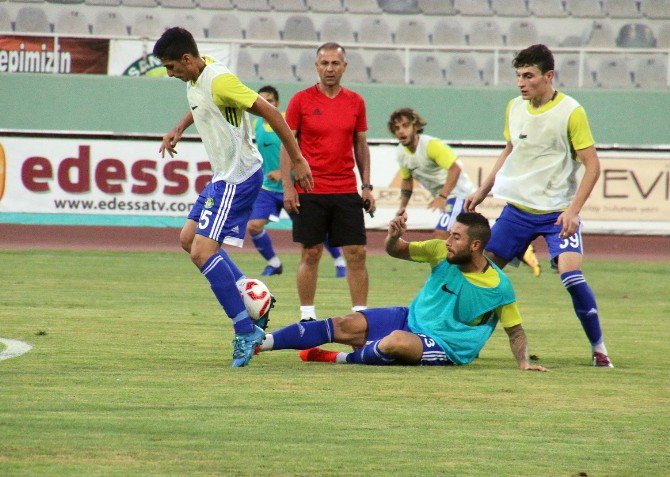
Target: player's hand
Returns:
[[367, 196], [532, 367], [569, 223], [303, 175], [291, 200], [274, 175], [398, 224], [473, 200], [170, 141], [438, 203]]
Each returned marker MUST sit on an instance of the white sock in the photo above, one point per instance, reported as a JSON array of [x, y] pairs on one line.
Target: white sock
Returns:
[[307, 311], [359, 308], [340, 262], [268, 343], [599, 348], [341, 358], [274, 262]]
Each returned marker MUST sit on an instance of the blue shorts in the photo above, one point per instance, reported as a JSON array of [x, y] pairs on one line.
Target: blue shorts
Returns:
[[383, 321], [515, 230], [222, 209], [447, 219], [268, 206]]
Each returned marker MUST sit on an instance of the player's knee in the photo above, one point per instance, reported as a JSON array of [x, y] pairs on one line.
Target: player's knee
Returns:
[[254, 228], [311, 255], [349, 329], [186, 241], [355, 256], [394, 343]]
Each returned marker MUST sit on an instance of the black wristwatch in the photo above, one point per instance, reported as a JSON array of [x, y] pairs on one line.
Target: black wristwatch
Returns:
[[366, 186]]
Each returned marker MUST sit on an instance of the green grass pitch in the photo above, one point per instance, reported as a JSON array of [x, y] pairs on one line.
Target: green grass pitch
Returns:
[[130, 376]]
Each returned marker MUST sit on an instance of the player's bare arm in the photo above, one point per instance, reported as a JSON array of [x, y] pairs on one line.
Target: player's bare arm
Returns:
[[439, 202], [171, 139], [519, 345], [291, 199], [569, 219], [406, 190], [478, 196], [395, 246], [362, 157], [302, 172]]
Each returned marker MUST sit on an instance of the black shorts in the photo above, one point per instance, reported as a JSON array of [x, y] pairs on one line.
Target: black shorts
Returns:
[[338, 217]]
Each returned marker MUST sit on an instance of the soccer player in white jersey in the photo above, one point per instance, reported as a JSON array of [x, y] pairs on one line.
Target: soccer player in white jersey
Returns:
[[217, 101], [436, 167], [548, 140]]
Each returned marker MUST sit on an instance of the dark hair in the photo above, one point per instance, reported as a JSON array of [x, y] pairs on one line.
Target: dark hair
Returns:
[[414, 118], [535, 55], [270, 89], [174, 43], [331, 45], [478, 226]]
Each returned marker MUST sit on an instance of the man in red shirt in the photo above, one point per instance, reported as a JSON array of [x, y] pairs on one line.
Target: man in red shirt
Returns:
[[329, 122]]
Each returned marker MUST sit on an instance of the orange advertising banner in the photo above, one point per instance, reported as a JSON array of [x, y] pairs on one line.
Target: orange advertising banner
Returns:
[[36, 54]]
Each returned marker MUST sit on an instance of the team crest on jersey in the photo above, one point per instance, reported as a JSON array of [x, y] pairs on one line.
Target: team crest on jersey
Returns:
[[448, 208], [209, 203]]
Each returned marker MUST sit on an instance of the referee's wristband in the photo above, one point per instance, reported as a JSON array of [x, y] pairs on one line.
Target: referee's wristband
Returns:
[[442, 195]]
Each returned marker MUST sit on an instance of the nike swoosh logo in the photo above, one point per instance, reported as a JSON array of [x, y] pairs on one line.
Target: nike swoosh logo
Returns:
[[193, 107], [444, 288]]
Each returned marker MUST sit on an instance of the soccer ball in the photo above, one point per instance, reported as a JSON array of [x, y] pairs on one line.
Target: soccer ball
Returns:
[[257, 298]]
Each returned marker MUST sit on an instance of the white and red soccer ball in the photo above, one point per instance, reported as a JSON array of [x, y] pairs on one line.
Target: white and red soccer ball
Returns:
[[257, 298]]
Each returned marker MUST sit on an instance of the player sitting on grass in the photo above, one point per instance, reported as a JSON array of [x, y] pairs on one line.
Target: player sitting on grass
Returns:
[[449, 321]]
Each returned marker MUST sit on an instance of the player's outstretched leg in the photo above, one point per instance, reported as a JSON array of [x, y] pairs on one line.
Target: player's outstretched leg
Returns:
[[244, 345], [340, 263], [530, 259], [263, 244]]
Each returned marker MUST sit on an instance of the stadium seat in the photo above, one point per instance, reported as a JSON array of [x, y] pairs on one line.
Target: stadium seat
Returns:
[[651, 72], [656, 9], [288, 5], [191, 23], [337, 28], [362, 6], [107, 3], [663, 36], [178, 3], [411, 31], [613, 73], [325, 6], [448, 32], [109, 23], [485, 33], [31, 20], [635, 35], [584, 8], [66, 2], [567, 74], [71, 22], [225, 25], [139, 3], [506, 72], [387, 68], [403, 7], [425, 70], [146, 25], [357, 70], [572, 40], [374, 29], [253, 5], [305, 69], [547, 8], [437, 7], [474, 8], [621, 9], [216, 4], [509, 8], [274, 65], [299, 28], [462, 70], [550, 41], [599, 34], [5, 21], [262, 28], [245, 68], [522, 33]]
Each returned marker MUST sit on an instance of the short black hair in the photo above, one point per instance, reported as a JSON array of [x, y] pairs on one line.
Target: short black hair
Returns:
[[414, 118], [478, 226], [535, 55], [174, 43], [270, 89]]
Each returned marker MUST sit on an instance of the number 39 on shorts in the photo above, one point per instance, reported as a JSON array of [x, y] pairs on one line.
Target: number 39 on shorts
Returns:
[[572, 242]]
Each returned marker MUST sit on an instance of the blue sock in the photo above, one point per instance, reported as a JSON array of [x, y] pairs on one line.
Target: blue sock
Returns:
[[237, 273], [304, 335], [263, 244], [370, 354], [584, 303], [335, 252], [222, 281]]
